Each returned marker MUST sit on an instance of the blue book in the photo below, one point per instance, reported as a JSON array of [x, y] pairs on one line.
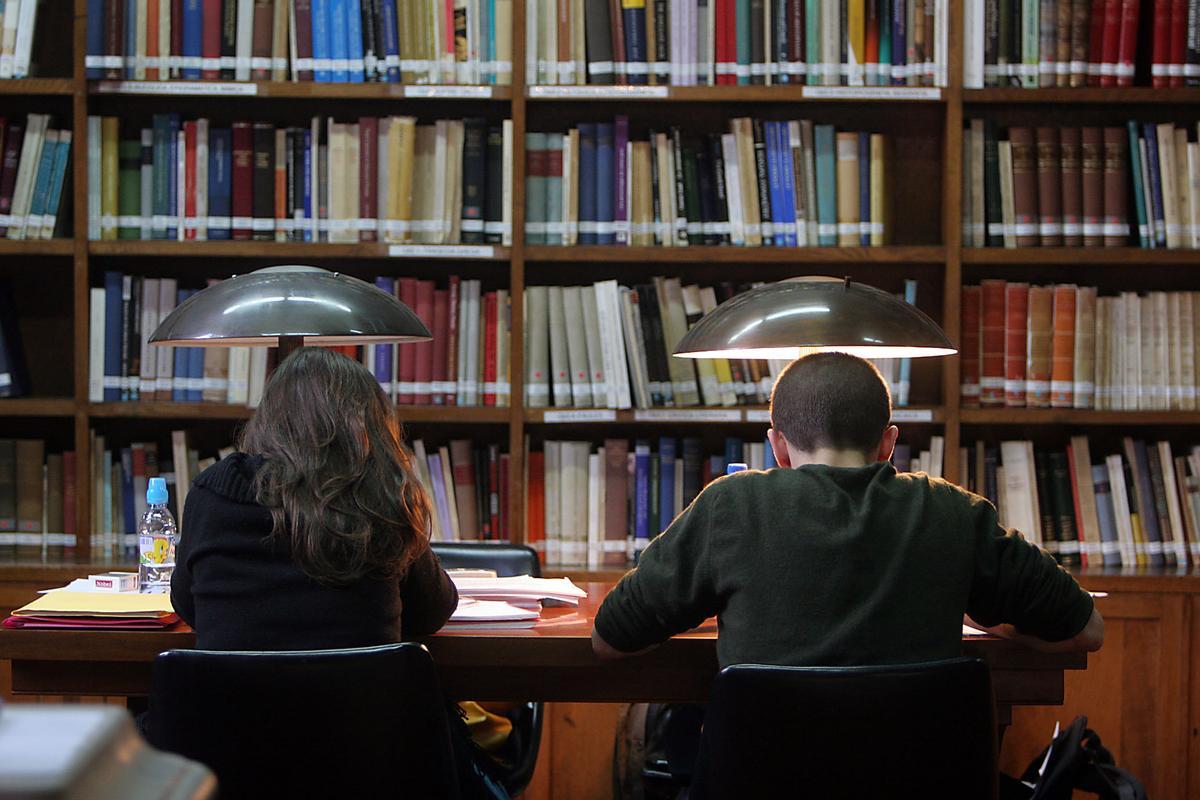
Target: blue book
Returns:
[[666, 481], [160, 181], [1156, 198], [383, 352], [179, 381], [131, 28], [127, 503], [41, 187], [173, 210], [899, 41], [605, 166], [768, 456], [885, 43], [112, 337], [391, 42], [641, 496], [587, 183], [95, 40], [490, 11], [905, 379], [220, 183], [1106, 516], [339, 49], [320, 35], [58, 177], [864, 188], [193, 33], [308, 200], [774, 179], [787, 172], [734, 453], [826, 186], [635, 42], [354, 41], [742, 20]]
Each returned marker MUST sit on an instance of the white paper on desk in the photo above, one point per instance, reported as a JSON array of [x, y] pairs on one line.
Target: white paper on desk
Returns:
[[520, 587], [969, 631], [77, 585], [471, 610]]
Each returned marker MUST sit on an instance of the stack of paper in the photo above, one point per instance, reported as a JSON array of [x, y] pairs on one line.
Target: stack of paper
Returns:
[[473, 614], [90, 610], [520, 589]]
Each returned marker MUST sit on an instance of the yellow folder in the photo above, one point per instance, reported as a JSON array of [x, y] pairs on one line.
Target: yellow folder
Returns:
[[97, 604]]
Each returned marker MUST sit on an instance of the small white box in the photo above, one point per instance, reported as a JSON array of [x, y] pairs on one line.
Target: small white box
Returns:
[[114, 582]]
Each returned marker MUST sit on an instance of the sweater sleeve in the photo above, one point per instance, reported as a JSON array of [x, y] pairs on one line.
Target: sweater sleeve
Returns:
[[427, 595], [672, 588], [181, 577], [1019, 583]]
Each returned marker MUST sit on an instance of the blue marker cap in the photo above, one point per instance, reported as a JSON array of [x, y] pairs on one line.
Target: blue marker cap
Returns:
[[734, 466], [156, 492]]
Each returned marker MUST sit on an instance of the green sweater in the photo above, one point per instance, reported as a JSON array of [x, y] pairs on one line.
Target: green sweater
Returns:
[[828, 566]]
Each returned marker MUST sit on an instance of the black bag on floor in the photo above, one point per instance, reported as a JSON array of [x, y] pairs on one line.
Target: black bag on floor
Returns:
[[1077, 760]]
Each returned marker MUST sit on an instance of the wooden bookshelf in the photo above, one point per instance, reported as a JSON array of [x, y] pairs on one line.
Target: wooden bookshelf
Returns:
[[38, 86], [589, 254], [1116, 95], [36, 247], [1131, 256], [304, 250], [37, 407], [289, 90], [1074, 417]]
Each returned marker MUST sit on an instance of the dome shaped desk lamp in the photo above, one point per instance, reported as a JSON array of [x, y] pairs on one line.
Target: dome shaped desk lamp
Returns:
[[290, 306], [794, 317]]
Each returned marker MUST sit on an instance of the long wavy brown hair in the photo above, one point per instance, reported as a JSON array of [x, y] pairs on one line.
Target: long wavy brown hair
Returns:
[[336, 476]]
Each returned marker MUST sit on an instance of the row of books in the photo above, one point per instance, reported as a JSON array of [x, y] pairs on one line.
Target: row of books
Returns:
[[598, 505], [355, 41], [1137, 507], [737, 42], [610, 346], [377, 179], [17, 21], [1062, 346], [37, 500], [764, 183], [33, 169], [929, 460], [465, 364], [467, 485], [1043, 43], [1072, 186]]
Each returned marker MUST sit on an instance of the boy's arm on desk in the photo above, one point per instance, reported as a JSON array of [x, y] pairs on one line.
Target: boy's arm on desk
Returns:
[[1090, 639]]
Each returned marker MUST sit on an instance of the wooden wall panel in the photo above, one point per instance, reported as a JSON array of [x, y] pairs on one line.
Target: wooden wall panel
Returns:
[[1193, 698], [575, 762]]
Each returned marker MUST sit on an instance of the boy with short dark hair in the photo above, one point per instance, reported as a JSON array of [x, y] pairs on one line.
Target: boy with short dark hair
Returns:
[[837, 559]]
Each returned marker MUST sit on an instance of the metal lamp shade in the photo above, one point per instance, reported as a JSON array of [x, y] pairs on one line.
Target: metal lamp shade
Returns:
[[788, 319], [274, 303]]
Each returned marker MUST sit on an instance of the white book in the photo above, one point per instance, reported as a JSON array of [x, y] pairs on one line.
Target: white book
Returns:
[[560, 368], [245, 35], [147, 381], [1019, 490], [710, 389], [165, 355], [1171, 487], [553, 509], [635, 348], [532, 54], [452, 529], [258, 376], [474, 360], [436, 524], [616, 370], [576, 344], [507, 183], [733, 189], [595, 527], [973, 45], [937, 455], [1120, 499], [1193, 194], [8, 36], [24, 43], [27, 167], [96, 346], [202, 179], [239, 375], [569, 500], [595, 358], [537, 351]]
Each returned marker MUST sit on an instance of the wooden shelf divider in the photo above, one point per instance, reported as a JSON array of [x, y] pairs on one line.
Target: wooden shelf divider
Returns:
[[591, 254], [38, 86], [1133, 256], [251, 249], [1074, 417]]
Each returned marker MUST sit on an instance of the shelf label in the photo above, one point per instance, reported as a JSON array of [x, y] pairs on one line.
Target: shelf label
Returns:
[[583, 415], [449, 92], [871, 93], [213, 88], [598, 92], [758, 415], [441, 251], [687, 415], [912, 415]]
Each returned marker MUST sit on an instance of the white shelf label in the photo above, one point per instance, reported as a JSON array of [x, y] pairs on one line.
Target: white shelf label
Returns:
[[214, 88], [583, 415], [598, 92], [449, 92], [871, 93], [441, 251], [912, 415], [687, 415], [758, 415]]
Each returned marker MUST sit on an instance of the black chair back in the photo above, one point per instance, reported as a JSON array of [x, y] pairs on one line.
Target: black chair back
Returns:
[[361, 722], [506, 559], [920, 730]]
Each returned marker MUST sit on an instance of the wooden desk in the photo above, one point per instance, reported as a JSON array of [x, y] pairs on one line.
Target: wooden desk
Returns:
[[552, 661]]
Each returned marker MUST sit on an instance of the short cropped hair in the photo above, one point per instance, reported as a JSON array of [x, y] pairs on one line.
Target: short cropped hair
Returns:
[[831, 400]]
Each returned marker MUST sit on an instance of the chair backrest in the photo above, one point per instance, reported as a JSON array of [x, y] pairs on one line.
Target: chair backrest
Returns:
[[920, 730], [360, 722], [506, 559]]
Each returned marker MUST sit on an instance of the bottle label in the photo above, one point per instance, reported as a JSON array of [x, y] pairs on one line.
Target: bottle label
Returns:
[[155, 551]]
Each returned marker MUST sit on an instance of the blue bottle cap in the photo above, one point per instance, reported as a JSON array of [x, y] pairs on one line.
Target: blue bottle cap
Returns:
[[156, 492], [734, 466]]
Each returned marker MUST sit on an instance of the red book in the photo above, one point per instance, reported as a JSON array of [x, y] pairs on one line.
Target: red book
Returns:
[[70, 500], [176, 37], [368, 155], [731, 40], [114, 35], [721, 43], [872, 45], [452, 343], [991, 361], [1127, 49], [1178, 36], [1025, 185], [440, 331], [616, 14], [535, 503], [1110, 50], [1062, 348], [1096, 42], [1160, 56], [243, 180], [795, 39], [1079, 522], [423, 351], [189, 179], [503, 531], [406, 357], [152, 26], [261, 43], [1041, 333], [489, 349], [969, 356], [304, 43], [1016, 312], [210, 41]]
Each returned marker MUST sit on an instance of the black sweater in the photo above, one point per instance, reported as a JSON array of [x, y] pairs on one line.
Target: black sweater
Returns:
[[240, 590], [830, 566]]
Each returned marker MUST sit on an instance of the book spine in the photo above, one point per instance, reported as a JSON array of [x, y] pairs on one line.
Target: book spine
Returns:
[[969, 359], [1050, 178], [604, 183], [1025, 186], [992, 343], [1016, 319], [242, 200], [1116, 164], [1062, 380]]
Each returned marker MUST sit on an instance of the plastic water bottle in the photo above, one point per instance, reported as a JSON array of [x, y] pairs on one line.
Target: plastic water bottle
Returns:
[[157, 537]]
